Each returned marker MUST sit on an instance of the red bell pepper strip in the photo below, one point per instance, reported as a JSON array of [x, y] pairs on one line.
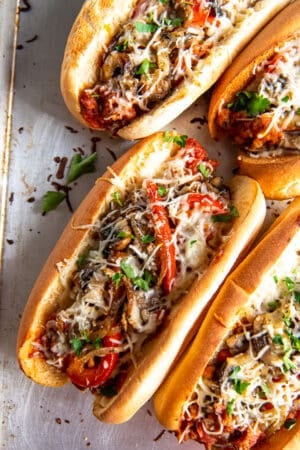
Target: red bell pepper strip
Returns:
[[163, 235], [202, 14], [92, 377], [206, 201]]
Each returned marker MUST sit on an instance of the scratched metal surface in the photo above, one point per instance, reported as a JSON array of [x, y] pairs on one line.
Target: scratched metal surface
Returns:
[[40, 133]]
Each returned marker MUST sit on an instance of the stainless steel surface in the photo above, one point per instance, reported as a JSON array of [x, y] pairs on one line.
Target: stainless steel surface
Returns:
[[33, 134]]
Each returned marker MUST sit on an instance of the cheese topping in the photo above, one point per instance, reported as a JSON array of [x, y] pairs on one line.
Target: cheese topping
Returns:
[[154, 241], [265, 117], [163, 43], [251, 387]]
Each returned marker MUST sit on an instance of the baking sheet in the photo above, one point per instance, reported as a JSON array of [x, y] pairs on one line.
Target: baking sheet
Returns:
[[36, 133]]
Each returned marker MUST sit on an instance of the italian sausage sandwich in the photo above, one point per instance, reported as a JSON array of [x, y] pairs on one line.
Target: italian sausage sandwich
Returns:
[[131, 67], [256, 103], [138, 263], [238, 385]]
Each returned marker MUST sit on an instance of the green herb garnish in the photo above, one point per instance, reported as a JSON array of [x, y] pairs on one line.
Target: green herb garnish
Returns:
[[251, 102], [179, 140], [147, 238], [285, 99], [229, 407], [117, 199], [80, 165], [81, 260], [116, 278], [128, 270], [162, 190], [176, 22], [277, 339], [239, 385], [204, 170], [273, 305], [145, 67], [122, 46], [51, 200], [290, 284], [77, 345], [142, 27], [297, 296], [233, 212]]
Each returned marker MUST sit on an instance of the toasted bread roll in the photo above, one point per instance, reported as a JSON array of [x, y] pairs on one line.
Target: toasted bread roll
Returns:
[[133, 271], [256, 103], [131, 67], [237, 385]]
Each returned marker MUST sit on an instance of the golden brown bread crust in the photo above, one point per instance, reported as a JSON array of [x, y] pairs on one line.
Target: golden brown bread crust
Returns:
[[49, 293], [278, 176], [234, 294], [97, 23]]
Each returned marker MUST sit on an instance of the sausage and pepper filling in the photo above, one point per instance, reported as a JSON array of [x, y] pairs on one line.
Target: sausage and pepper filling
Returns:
[[264, 118], [148, 249], [251, 387], [154, 51]]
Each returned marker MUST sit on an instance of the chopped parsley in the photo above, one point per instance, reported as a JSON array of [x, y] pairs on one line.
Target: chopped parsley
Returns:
[[238, 384], [251, 102], [81, 260], [147, 238], [162, 190], [179, 140], [145, 67], [142, 27], [116, 278], [229, 407], [117, 199], [122, 46], [51, 200], [80, 165], [204, 170], [233, 212]]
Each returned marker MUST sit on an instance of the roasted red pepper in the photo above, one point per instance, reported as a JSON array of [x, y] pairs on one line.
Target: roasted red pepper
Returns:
[[206, 202], [83, 375], [202, 13], [194, 154], [163, 236]]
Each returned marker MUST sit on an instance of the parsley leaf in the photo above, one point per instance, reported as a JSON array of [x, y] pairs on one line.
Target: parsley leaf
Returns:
[[251, 102], [229, 407], [145, 67], [162, 190], [147, 238], [239, 385], [128, 270], [290, 284], [80, 165], [122, 46], [233, 212], [116, 198], [81, 260], [51, 200], [116, 278], [142, 27], [204, 170], [179, 140]]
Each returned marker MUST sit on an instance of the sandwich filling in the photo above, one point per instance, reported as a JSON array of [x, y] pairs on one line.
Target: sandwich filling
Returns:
[[251, 387], [161, 44], [154, 241], [264, 118]]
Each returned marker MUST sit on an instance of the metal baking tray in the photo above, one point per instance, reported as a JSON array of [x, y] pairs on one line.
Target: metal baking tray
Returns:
[[38, 136]]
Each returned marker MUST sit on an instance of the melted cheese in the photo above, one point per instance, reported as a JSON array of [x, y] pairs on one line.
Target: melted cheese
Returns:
[[162, 44], [260, 384], [196, 238]]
